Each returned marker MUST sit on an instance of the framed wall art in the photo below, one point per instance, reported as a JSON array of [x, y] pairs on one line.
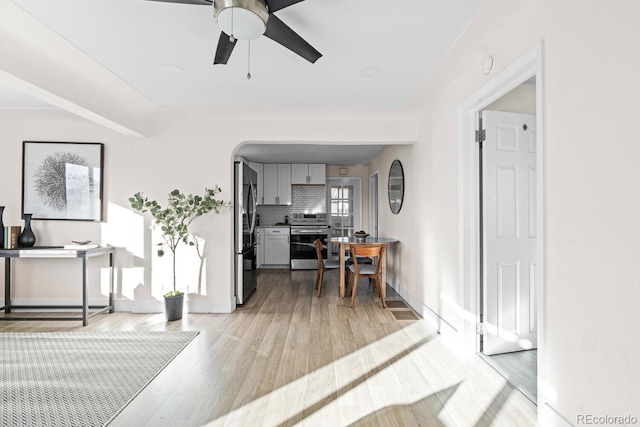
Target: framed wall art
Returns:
[[62, 180]]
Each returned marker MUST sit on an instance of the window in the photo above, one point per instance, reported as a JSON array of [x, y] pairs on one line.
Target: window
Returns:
[[345, 202]]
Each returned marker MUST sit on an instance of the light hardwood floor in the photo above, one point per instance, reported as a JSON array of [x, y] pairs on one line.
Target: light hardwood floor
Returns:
[[520, 368], [290, 358]]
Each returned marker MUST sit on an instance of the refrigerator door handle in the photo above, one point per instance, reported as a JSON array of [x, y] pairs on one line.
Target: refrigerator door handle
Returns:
[[252, 202]]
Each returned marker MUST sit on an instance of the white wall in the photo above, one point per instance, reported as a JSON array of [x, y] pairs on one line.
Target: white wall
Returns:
[[521, 99], [591, 103], [188, 154]]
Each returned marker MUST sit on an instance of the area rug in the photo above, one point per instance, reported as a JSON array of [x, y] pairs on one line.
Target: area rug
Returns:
[[79, 378]]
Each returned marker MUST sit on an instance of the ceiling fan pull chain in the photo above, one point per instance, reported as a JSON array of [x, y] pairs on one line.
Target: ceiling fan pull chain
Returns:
[[249, 62], [231, 38]]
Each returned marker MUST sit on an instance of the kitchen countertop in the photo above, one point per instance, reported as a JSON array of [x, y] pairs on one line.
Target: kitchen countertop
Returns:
[[274, 226]]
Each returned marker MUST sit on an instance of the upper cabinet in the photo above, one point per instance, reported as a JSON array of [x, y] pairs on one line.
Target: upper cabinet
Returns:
[[313, 173], [258, 167], [277, 184]]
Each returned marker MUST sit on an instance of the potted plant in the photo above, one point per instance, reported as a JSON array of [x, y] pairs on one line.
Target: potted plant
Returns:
[[173, 222]]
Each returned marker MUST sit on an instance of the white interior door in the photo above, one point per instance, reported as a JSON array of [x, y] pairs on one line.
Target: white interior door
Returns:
[[509, 232]]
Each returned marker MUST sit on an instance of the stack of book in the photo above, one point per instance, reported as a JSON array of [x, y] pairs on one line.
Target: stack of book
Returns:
[[11, 234]]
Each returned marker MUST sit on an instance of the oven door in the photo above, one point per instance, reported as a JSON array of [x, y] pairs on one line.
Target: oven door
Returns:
[[302, 249]]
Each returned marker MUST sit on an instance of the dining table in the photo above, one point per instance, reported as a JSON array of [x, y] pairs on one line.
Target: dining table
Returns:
[[345, 242]]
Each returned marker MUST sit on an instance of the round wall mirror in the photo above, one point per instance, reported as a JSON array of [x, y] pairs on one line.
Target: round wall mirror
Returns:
[[396, 186]]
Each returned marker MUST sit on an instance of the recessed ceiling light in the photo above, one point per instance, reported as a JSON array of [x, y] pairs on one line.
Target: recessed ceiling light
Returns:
[[370, 71], [173, 69]]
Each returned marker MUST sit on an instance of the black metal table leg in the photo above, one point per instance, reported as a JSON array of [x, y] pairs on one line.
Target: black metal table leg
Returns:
[[7, 285], [112, 308], [85, 292]]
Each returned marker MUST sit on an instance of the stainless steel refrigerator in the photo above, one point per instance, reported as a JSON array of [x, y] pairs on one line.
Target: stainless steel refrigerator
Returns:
[[246, 277]]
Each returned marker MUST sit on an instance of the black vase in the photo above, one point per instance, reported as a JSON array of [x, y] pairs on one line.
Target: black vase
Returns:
[[1, 228], [27, 239]]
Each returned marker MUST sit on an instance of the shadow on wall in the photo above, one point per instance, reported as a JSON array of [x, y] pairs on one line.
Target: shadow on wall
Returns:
[[136, 250]]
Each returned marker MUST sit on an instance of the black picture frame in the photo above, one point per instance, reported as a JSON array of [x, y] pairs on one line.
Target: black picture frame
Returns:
[[63, 180]]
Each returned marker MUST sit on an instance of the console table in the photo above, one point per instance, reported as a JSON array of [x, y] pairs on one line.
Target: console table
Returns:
[[57, 252]]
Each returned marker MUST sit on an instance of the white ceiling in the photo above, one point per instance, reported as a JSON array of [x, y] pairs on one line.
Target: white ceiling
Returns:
[[376, 54]]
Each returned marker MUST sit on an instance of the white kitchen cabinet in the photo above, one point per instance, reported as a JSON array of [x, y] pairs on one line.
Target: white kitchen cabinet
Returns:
[[313, 173], [258, 167], [317, 174], [284, 184], [260, 246], [276, 245], [277, 184], [299, 173]]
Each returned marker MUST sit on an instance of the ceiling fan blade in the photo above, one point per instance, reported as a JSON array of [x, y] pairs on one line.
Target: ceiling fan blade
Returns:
[[279, 32], [225, 47], [201, 2], [275, 5]]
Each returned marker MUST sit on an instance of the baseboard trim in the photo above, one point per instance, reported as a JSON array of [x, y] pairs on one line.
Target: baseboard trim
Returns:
[[549, 417], [52, 301], [145, 306], [211, 306], [125, 305], [427, 314], [128, 305], [191, 306]]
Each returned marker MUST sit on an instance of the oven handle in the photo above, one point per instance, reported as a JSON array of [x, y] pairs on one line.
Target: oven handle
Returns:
[[305, 232], [309, 245]]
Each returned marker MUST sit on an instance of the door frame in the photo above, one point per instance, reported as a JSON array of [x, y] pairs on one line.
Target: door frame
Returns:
[[374, 202], [469, 228]]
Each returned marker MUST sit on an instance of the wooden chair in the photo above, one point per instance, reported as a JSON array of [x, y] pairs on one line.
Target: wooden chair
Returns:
[[323, 265], [357, 270], [361, 260]]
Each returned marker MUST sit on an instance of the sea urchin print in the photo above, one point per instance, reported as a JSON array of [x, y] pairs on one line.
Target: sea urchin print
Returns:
[[50, 179]]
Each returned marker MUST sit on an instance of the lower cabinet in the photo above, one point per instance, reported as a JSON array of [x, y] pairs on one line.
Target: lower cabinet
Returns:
[[276, 245]]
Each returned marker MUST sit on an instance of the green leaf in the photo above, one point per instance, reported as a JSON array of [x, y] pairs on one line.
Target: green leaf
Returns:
[[174, 220], [173, 294]]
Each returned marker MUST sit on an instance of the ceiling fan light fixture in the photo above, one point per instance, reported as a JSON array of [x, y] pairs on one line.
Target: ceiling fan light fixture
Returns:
[[242, 19]]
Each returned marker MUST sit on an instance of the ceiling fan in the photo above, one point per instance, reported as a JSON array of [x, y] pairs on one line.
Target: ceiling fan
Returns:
[[248, 20]]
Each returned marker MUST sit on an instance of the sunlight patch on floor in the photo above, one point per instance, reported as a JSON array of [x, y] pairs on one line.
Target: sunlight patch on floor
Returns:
[[336, 391], [399, 370]]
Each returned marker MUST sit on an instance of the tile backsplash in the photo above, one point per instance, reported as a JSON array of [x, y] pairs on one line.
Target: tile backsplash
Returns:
[[304, 198], [309, 198]]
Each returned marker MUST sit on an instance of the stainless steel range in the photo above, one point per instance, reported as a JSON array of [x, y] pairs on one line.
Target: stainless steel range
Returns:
[[305, 229]]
